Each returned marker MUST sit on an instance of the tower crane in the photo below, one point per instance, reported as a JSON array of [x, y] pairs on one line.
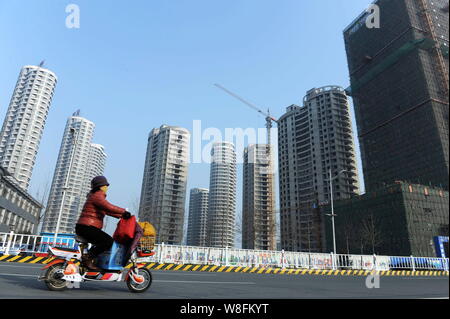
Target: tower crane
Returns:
[[269, 118]]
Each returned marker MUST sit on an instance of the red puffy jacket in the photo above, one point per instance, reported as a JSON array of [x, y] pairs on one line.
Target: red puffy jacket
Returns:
[[95, 209]]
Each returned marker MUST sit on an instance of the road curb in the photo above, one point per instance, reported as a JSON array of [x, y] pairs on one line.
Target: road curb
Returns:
[[252, 270]]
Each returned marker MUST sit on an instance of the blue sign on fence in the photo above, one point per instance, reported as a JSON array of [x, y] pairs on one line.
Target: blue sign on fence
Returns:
[[441, 245], [63, 240]]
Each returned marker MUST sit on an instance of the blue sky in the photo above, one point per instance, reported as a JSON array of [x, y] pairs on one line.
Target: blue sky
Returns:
[[135, 65]]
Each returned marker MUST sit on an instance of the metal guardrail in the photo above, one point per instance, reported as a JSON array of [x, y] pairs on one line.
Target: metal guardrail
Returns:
[[14, 244]]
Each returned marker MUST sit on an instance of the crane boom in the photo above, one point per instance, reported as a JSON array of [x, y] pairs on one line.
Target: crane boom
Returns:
[[245, 102], [269, 118]]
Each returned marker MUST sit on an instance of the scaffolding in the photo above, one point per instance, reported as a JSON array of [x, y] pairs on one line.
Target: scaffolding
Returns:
[[430, 43], [392, 59], [437, 50], [399, 82]]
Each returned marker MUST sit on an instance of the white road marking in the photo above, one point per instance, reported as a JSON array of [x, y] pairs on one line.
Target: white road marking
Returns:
[[18, 275], [168, 273], [208, 282]]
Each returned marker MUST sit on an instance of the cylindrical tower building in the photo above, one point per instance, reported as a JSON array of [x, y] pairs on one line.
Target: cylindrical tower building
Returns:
[[25, 120], [222, 196]]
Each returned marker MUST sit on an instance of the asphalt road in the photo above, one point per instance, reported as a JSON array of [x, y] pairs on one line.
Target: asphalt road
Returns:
[[19, 281]]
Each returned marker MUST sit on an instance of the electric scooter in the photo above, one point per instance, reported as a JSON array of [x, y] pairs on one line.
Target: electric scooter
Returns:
[[67, 270]]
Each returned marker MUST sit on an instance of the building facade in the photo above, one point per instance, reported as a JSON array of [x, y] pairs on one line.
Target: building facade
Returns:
[[222, 196], [19, 211], [198, 217], [314, 140], [258, 203], [399, 84], [163, 193], [399, 219], [96, 165], [78, 162], [25, 120]]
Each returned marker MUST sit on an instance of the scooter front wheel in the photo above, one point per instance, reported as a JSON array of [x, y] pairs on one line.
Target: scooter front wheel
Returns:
[[144, 285], [53, 277]]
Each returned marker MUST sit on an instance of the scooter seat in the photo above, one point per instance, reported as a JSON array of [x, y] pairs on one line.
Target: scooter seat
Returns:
[[69, 250], [81, 240]]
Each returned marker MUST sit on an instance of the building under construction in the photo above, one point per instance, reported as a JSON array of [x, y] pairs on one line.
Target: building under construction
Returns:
[[315, 141], [399, 83], [400, 219], [258, 203]]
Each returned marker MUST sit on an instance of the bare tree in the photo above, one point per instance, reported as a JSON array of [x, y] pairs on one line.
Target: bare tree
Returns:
[[359, 239], [349, 232], [370, 232], [274, 226], [43, 200], [238, 227]]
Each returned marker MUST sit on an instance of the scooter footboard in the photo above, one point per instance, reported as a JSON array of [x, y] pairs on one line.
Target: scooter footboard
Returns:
[[113, 259]]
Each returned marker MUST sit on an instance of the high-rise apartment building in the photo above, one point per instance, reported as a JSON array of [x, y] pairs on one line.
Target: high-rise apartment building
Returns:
[[78, 162], [163, 191], [258, 207], [222, 196], [24, 122], [198, 217], [313, 141], [399, 84], [96, 165]]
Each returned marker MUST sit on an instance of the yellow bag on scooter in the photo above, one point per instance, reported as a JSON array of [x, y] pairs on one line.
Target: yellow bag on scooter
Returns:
[[147, 242], [148, 228]]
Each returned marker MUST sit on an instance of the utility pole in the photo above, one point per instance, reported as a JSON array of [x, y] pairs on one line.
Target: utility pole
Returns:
[[332, 208], [332, 214]]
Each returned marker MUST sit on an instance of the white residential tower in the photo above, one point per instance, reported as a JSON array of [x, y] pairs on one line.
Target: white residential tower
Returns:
[[25, 120], [222, 196], [80, 161], [163, 191]]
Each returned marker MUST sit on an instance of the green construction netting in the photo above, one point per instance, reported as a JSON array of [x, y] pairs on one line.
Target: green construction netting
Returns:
[[425, 43]]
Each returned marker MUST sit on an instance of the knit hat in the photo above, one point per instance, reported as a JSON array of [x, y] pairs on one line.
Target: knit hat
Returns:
[[99, 181]]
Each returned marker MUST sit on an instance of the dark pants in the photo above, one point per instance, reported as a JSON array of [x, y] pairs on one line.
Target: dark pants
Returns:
[[100, 240]]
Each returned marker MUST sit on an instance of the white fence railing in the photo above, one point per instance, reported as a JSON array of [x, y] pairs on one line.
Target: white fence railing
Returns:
[[13, 244]]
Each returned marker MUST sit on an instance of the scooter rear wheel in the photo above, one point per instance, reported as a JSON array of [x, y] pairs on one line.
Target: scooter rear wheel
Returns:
[[138, 288], [53, 280]]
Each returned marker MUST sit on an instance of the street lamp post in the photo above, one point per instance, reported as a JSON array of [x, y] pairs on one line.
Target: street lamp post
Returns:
[[332, 208], [74, 135], [332, 214]]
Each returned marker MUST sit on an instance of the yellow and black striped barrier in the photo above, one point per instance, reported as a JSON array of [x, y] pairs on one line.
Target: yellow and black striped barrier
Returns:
[[25, 259], [249, 270]]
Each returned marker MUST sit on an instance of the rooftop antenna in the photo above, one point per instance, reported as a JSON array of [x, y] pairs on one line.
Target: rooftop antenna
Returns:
[[42, 63], [77, 113]]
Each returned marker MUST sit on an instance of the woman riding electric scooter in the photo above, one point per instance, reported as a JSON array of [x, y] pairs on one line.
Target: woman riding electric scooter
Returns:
[[90, 223]]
